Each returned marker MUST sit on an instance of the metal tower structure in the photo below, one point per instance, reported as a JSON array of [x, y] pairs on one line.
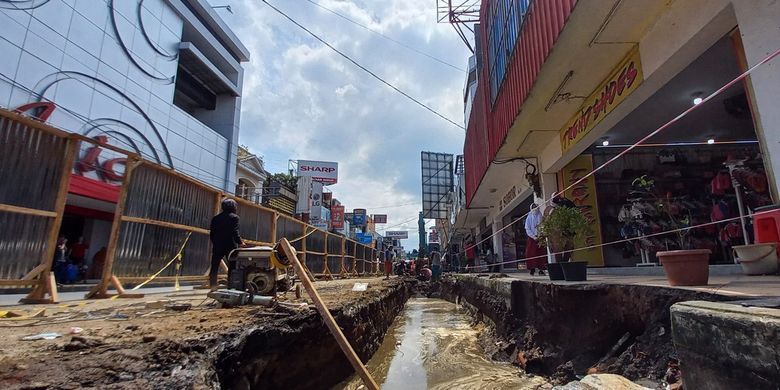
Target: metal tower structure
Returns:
[[460, 14]]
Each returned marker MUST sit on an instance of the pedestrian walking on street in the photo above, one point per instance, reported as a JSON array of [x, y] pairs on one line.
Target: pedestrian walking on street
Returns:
[[224, 236]]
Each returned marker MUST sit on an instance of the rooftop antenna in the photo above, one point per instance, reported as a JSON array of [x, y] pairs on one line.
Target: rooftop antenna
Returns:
[[460, 14]]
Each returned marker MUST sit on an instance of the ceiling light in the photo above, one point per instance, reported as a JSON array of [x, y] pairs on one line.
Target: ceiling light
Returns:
[[605, 143], [697, 98], [711, 141]]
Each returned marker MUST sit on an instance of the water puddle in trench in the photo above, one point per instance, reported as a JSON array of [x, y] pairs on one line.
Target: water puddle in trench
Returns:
[[431, 345]]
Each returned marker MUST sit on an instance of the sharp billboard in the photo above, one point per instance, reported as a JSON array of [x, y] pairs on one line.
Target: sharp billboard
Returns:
[[397, 234], [321, 171]]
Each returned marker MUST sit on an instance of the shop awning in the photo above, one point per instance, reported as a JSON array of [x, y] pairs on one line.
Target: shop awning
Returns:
[[94, 189]]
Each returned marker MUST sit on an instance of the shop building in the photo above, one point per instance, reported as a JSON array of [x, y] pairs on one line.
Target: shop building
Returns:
[[563, 86], [159, 78]]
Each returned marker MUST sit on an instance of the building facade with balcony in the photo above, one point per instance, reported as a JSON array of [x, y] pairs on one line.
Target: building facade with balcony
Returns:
[[250, 175], [564, 86]]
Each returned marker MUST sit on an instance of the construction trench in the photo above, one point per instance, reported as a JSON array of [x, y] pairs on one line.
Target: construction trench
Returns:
[[541, 334]]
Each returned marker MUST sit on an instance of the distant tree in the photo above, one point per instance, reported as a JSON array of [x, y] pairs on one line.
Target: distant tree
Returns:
[[285, 179]]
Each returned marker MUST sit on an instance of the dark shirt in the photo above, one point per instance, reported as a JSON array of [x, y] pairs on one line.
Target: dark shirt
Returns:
[[224, 231]]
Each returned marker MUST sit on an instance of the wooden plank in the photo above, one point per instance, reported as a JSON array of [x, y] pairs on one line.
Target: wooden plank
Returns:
[[17, 282], [343, 252], [274, 224], [114, 234], [171, 225], [49, 276], [326, 268], [335, 330], [54, 227], [117, 285], [164, 279], [315, 253], [27, 211], [35, 272], [49, 129]]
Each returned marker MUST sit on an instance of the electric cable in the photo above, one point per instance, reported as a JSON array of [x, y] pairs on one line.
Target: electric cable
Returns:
[[386, 37], [363, 68], [635, 145]]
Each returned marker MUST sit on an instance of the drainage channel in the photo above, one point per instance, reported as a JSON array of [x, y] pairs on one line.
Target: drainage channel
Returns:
[[433, 345]]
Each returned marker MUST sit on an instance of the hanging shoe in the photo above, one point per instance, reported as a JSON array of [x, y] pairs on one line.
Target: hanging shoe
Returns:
[[533, 271]]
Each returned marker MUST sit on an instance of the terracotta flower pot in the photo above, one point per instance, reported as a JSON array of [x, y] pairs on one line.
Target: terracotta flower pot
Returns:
[[686, 267]]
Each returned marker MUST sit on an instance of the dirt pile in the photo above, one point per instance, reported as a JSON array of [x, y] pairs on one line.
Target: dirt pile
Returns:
[[205, 347], [561, 331]]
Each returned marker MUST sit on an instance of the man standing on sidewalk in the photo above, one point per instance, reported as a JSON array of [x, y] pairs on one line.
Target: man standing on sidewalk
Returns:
[[224, 237]]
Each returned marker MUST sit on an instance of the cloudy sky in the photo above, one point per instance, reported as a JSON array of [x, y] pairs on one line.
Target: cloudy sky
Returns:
[[301, 100]]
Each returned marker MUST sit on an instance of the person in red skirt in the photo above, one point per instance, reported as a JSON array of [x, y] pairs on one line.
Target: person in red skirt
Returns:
[[536, 257], [389, 262]]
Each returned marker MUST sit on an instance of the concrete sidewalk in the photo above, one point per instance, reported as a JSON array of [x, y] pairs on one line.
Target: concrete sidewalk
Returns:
[[732, 285]]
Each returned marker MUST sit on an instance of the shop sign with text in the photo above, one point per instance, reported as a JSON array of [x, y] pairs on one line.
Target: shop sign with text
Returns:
[[325, 172], [584, 196], [337, 217], [397, 234], [379, 218], [623, 80]]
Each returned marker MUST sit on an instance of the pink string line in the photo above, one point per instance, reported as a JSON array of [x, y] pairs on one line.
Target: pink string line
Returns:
[[629, 239]]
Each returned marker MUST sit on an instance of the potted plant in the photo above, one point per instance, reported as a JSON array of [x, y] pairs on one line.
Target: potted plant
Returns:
[[685, 266], [559, 230]]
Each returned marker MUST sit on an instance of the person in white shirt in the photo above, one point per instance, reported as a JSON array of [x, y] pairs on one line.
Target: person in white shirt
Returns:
[[536, 257]]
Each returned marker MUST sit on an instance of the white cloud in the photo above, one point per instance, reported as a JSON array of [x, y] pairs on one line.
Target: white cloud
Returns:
[[302, 100]]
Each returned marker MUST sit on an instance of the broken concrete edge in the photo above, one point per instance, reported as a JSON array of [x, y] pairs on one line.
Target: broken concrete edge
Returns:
[[602, 382], [727, 345], [561, 330], [293, 353]]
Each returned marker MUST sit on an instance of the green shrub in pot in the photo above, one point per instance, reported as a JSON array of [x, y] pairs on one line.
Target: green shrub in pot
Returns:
[[561, 228]]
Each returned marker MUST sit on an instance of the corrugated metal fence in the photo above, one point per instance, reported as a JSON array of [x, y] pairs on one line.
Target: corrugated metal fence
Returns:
[[159, 214], [540, 28]]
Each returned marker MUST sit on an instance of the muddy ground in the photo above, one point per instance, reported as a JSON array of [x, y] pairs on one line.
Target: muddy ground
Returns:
[[562, 331], [134, 344]]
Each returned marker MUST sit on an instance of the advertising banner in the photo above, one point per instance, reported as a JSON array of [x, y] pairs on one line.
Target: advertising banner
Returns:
[[433, 236], [316, 201], [584, 196], [364, 238], [320, 171], [337, 217], [380, 218], [397, 234], [623, 80], [304, 195], [348, 217], [359, 217]]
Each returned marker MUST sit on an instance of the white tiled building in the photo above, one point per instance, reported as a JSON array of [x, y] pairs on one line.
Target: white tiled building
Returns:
[[160, 77]]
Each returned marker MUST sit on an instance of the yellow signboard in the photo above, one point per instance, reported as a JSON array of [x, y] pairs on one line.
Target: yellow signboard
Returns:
[[584, 196], [626, 77]]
